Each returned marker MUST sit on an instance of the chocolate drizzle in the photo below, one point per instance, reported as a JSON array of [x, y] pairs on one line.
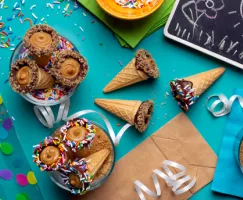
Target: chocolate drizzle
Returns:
[[13, 73], [60, 58], [183, 92], [145, 62]]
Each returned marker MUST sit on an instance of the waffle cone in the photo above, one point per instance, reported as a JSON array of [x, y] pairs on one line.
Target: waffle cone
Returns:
[[204, 80], [44, 80], [125, 109], [95, 161], [127, 76], [42, 61]]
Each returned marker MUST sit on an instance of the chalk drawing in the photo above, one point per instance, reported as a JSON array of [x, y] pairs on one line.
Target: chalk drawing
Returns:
[[232, 45], [222, 43], [183, 33], [236, 24]]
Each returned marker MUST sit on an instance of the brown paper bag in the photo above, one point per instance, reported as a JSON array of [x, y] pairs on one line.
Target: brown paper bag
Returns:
[[177, 141]]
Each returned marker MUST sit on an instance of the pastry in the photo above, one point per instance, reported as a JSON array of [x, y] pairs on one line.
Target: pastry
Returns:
[[139, 69], [78, 175], [41, 41], [134, 112], [26, 76], [51, 154], [70, 68], [187, 90]]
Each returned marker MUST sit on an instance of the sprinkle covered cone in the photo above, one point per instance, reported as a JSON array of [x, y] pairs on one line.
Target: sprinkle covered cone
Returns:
[[204, 80], [134, 112], [95, 161], [139, 69], [187, 90], [44, 80]]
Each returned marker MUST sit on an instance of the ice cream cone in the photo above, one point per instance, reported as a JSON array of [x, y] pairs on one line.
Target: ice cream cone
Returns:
[[41, 41], [26, 76], [124, 109], [95, 161], [138, 69], [132, 111], [44, 80], [50, 154], [187, 90], [204, 80], [79, 174]]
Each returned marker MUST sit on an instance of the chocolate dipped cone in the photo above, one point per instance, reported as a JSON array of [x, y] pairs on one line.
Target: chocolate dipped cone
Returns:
[[139, 69], [26, 76], [70, 68], [50, 154], [41, 41], [187, 90], [79, 174], [134, 112]]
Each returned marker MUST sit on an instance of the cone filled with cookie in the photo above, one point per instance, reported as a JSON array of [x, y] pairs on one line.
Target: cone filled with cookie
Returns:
[[140, 68], [187, 90], [135, 112], [26, 76]]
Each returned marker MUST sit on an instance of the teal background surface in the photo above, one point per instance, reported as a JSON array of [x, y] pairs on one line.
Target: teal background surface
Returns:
[[173, 60]]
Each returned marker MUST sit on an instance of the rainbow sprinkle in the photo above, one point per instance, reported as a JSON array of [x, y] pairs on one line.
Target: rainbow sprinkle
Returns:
[[50, 141], [183, 92], [78, 167], [133, 3], [88, 138]]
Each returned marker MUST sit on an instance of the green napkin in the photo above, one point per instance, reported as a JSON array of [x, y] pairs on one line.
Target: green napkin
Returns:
[[155, 27], [131, 32]]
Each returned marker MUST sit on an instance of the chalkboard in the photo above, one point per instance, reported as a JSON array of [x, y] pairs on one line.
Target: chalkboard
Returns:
[[214, 27]]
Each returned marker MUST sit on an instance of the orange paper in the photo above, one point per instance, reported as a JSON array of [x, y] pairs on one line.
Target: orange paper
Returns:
[[177, 141]]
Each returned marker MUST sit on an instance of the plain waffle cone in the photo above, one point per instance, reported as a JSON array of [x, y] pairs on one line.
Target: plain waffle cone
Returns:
[[125, 109], [127, 76], [204, 80], [95, 161], [44, 80]]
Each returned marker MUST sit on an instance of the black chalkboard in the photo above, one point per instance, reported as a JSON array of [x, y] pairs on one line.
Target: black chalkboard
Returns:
[[214, 27]]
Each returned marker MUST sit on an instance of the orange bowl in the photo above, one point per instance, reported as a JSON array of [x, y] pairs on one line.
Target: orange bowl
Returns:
[[111, 7]]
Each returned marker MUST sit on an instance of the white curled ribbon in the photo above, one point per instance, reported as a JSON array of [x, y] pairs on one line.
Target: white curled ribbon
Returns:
[[173, 180], [114, 138], [226, 104], [46, 117]]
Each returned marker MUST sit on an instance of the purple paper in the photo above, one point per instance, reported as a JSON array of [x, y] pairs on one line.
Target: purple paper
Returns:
[[6, 174], [7, 124], [3, 133]]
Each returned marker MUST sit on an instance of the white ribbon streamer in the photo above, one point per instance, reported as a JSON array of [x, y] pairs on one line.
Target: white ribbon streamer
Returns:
[[46, 117], [114, 138], [226, 104], [171, 179]]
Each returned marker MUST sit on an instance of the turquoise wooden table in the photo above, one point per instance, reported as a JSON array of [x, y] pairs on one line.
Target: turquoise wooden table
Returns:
[[173, 61]]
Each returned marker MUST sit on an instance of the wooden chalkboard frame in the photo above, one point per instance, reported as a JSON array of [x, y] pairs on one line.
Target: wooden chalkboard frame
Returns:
[[194, 46]]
